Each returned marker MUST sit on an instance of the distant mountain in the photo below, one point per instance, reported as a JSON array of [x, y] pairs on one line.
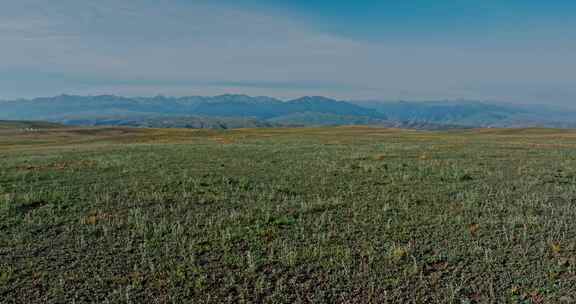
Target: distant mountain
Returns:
[[233, 111], [194, 111], [194, 122], [241, 106], [66, 106], [325, 119], [443, 112], [473, 113]]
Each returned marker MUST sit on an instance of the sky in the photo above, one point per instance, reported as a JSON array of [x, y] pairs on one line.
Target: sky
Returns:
[[519, 51]]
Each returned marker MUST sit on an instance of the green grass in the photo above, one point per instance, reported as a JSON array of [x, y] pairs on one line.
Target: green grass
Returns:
[[22, 124], [323, 215]]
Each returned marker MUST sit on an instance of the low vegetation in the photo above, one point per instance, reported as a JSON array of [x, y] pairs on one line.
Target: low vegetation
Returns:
[[310, 215], [10, 125]]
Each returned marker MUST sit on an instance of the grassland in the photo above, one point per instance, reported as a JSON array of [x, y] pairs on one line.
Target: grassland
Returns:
[[326, 215], [21, 124]]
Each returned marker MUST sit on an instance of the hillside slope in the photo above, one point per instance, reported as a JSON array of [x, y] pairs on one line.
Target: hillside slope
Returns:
[[21, 124]]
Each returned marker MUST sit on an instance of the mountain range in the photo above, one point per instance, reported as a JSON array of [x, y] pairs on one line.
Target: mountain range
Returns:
[[235, 111]]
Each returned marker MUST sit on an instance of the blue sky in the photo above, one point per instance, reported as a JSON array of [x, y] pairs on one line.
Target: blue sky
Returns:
[[498, 50], [375, 19]]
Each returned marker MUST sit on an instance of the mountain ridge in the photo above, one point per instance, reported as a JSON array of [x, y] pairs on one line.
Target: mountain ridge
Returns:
[[270, 111]]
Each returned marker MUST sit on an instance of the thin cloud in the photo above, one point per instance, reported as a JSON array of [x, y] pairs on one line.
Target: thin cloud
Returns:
[[126, 47]]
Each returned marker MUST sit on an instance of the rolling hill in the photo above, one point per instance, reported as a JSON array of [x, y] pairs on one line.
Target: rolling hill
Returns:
[[20, 124]]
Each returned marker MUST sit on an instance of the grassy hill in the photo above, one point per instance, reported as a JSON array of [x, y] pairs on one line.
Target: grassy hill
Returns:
[[19, 124], [283, 215]]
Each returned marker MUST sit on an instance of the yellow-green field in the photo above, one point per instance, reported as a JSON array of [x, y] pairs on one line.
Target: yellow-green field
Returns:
[[308, 215]]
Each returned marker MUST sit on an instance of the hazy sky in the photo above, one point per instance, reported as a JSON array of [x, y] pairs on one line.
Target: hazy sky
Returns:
[[516, 51]]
